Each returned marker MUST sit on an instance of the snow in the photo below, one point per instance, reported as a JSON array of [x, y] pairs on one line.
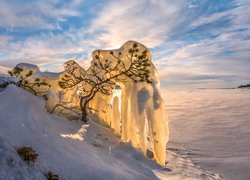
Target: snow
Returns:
[[212, 128], [13, 167], [4, 71], [74, 150], [38, 129], [3, 75]]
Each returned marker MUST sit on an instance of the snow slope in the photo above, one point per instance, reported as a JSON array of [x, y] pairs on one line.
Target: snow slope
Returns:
[[73, 150], [212, 127]]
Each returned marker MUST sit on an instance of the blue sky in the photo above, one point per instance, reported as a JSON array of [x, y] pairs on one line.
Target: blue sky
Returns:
[[195, 43]]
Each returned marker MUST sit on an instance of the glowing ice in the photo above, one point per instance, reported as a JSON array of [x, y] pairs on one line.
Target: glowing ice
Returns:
[[137, 113]]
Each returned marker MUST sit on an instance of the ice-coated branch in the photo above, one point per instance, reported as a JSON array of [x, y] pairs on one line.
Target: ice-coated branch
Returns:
[[24, 80], [104, 75]]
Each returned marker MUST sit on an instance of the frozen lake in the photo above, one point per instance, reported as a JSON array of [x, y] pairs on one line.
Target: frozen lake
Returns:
[[212, 127]]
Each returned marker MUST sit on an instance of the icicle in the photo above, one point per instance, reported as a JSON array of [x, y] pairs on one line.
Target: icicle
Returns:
[[116, 116]]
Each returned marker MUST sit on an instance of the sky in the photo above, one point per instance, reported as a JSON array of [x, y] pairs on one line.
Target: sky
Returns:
[[194, 43]]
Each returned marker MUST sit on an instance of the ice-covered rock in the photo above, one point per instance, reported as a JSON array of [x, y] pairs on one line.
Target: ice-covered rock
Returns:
[[138, 113]]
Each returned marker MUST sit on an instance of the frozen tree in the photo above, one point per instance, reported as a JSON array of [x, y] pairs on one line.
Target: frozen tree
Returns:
[[137, 113], [63, 106], [24, 80], [104, 75]]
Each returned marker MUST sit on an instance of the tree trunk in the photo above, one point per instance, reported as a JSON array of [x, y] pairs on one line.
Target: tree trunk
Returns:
[[83, 105], [84, 113]]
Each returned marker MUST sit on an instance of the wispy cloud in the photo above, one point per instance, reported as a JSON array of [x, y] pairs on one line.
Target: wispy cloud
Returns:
[[221, 53], [4, 40], [148, 22], [35, 14]]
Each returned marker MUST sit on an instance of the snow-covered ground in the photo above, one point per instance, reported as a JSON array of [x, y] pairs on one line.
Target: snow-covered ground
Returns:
[[73, 150], [212, 127]]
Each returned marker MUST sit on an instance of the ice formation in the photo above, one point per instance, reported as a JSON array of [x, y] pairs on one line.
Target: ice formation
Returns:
[[135, 111]]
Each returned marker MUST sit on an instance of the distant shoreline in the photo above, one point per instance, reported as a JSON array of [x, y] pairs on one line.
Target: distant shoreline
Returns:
[[244, 86]]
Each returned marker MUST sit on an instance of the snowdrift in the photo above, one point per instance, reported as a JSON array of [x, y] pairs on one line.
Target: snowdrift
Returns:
[[24, 121]]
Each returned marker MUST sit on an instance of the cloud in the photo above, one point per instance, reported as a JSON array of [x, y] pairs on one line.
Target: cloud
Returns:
[[221, 59], [238, 17], [148, 22], [220, 53], [35, 14], [185, 78], [4, 40], [47, 48], [182, 75]]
